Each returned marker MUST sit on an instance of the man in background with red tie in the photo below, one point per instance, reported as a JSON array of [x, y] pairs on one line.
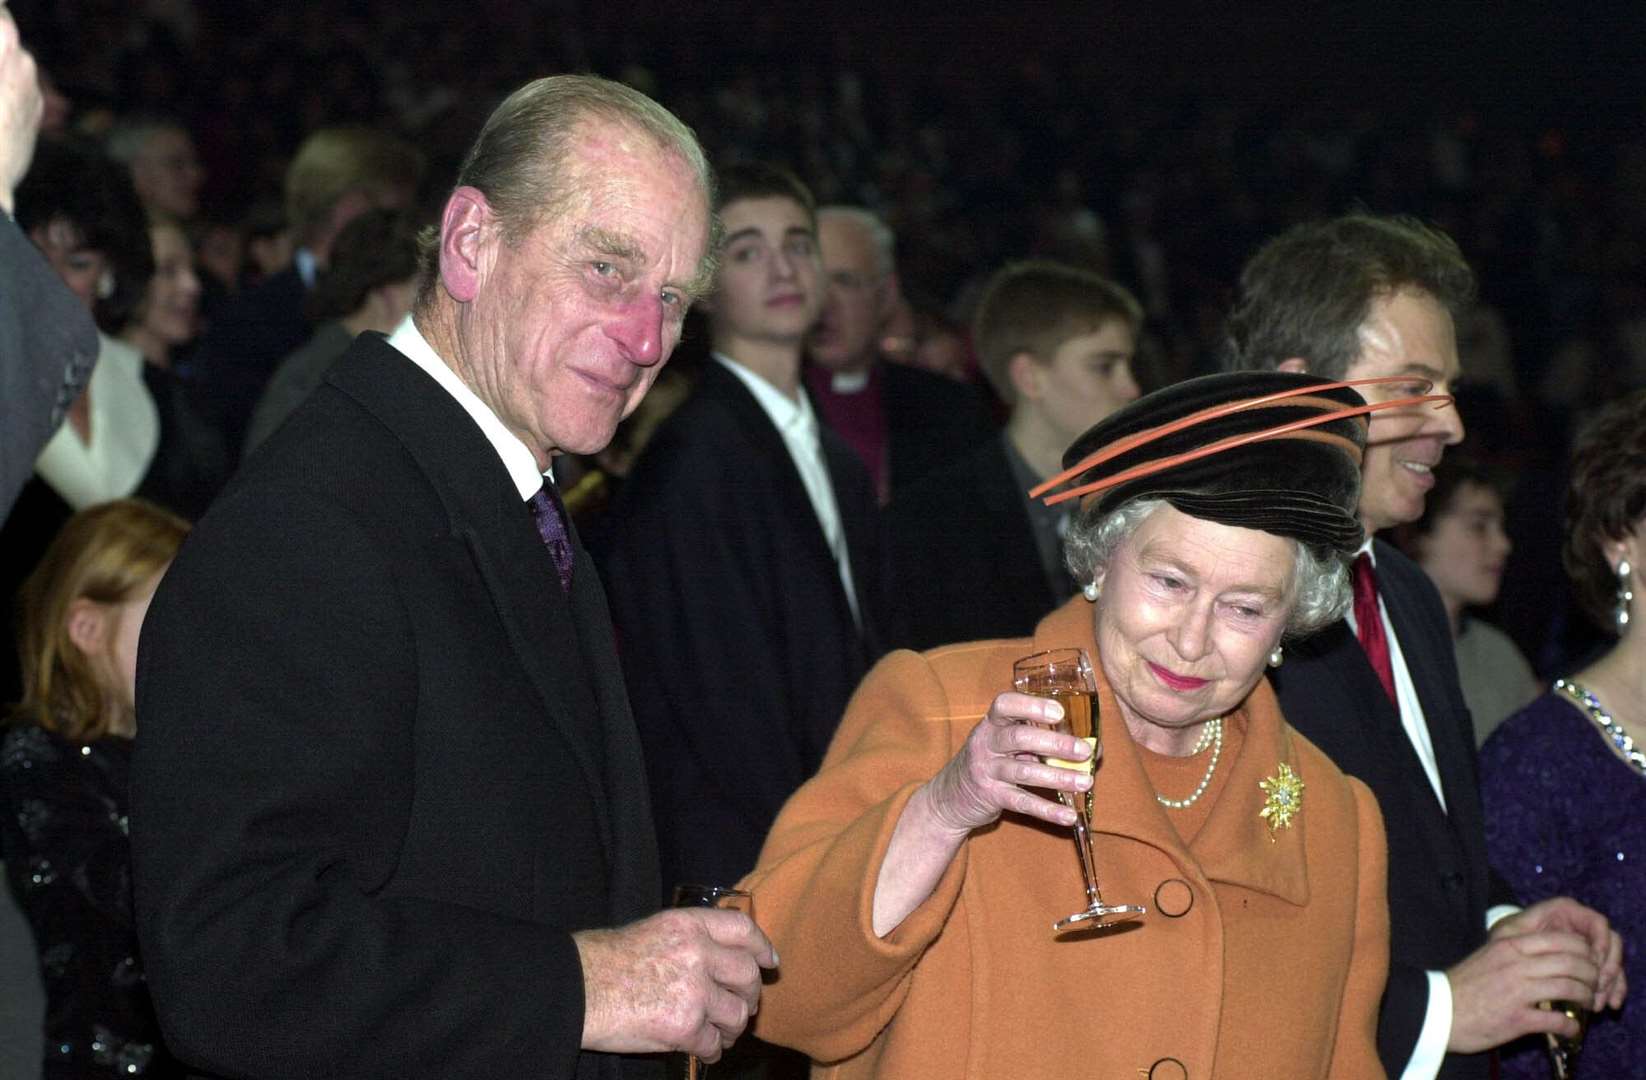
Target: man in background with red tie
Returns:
[[1365, 297], [389, 812]]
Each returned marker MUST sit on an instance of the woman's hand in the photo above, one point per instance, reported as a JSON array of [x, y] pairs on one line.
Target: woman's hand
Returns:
[[998, 763], [986, 777]]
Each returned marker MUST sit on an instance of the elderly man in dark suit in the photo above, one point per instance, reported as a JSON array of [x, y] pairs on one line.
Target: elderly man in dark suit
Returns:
[[389, 799], [1365, 297]]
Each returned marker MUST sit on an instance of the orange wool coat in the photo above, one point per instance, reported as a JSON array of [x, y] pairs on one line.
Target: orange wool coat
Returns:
[[1258, 959]]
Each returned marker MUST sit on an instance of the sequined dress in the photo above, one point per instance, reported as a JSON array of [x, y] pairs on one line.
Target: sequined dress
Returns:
[[63, 831], [1567, 817]]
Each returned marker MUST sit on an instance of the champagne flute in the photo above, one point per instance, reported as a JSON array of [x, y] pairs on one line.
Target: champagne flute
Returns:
[[710, 896], [1563, 1051], [1065, 676]]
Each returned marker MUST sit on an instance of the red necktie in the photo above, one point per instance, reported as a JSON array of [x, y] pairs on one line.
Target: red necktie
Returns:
[[1369, 624]]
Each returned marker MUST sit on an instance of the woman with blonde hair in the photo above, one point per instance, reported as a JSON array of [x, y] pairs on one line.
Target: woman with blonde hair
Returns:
[[65, 761]]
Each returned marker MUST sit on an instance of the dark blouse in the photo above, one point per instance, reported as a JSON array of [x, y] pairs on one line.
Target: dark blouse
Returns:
[[1567, 817], [63, 831]]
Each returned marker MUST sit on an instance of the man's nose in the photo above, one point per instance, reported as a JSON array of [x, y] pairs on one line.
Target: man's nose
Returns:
[[638, 330], [1448, 424]]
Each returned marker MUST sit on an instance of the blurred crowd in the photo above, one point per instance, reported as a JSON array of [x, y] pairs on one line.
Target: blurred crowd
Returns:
[[236, 192]]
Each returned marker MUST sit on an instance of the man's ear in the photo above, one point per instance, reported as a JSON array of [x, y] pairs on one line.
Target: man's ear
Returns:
[[1295, 364], [1024, 372], [87, 623], [468, 228]]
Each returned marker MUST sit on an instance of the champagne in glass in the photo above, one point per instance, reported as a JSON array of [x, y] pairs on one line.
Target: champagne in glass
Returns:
[[1563, 1052], [1065, 676], [709, 896]]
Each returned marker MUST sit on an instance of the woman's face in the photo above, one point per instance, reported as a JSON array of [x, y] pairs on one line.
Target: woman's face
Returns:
[[1464, 552], [171, 310], [82, 269], [1188, 615]]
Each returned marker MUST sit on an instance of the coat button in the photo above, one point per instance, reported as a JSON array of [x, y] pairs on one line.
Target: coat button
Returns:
[[1173, 898], [1168, 1069]]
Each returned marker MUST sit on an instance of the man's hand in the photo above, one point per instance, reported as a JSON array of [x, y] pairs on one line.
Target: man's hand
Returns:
[[1557, 950], [20, 106], [686, 980]]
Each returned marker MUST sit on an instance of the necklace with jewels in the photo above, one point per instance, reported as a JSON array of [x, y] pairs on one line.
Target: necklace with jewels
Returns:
[[1620, 739], [1212, 734]]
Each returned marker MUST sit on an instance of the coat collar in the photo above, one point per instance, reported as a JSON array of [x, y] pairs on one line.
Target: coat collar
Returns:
[[1234, 846]]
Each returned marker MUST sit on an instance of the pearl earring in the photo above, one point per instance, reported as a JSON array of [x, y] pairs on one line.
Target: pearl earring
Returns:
[[1625, 594], [1090, 591], [1277, 655]]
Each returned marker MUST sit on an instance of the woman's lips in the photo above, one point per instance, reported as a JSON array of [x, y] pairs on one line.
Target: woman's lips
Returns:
[[1176, 682]]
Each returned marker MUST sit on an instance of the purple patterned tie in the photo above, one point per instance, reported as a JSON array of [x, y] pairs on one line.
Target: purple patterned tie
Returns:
[[549, 513]]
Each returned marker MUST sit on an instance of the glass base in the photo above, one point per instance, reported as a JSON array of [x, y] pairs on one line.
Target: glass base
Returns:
[[1100, 915]]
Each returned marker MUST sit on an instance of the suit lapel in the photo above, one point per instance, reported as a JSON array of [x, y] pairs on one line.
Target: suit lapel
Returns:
[[487, 516], [796, 506]]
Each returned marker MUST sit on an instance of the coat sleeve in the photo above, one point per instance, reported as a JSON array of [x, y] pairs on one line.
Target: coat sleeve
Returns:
[[840, 984], [1355, 1053], [48, 346], [272, 787]]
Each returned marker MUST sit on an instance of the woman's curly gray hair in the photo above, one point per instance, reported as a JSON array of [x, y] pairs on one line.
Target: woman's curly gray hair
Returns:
[[1320, 579]]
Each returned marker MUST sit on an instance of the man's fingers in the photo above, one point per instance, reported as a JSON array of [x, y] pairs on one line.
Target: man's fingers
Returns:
[[735, 930], [728, 1014], [736, 971]]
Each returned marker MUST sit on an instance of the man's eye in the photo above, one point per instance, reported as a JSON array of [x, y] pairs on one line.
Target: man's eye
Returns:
[[603, 269], [671, 299]]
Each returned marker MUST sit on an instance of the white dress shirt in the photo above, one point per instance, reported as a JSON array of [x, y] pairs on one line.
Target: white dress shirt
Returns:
[[796, 421], [1430, 1050], [517, 456]]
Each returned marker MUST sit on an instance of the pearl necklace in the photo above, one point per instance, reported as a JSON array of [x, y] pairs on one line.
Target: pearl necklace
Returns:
[[1615, 734], [1214, 735]]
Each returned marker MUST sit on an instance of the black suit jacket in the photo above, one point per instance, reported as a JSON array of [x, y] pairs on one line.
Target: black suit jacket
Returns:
[[930, 420], [964, 562], [1440, 885], [736, 636], [244, 344], [48, 346], [386, 766]]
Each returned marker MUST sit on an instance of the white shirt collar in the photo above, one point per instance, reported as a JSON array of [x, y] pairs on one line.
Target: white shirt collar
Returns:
[[517, 456], [1366, 550], [787, 414]]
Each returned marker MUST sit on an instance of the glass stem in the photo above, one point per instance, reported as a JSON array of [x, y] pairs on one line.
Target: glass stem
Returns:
[[1083, 845]]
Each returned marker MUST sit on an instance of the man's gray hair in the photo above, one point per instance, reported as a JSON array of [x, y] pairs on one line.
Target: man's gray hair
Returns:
[[880, 234], [1320, 579], [519, 160]]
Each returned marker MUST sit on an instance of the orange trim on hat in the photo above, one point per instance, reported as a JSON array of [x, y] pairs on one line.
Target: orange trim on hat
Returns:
[[1290, 429]]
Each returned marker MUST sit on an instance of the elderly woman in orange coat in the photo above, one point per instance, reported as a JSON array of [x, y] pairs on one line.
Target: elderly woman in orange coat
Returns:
[[912, 885]]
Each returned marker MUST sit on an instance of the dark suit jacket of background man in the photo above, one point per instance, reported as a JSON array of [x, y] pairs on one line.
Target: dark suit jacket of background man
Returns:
[[244, 344], [737, 641], [965, 565], [1440, 884], [930, 421], [387, 766], [48, 346]]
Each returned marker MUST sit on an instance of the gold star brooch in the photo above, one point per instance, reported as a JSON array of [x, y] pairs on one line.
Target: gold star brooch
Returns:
[[1285, 799]]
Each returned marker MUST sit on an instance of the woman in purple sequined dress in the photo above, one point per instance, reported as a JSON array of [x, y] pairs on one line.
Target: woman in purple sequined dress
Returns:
[[1564, 780]]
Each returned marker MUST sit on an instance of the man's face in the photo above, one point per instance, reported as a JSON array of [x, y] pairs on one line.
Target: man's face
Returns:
[[770, 287], [167, 175], [569, 325], [1089, 377], [1406, 333], [857, 301]]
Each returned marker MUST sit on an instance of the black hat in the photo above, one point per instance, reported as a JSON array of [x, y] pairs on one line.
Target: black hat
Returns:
[[1277, 451]]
